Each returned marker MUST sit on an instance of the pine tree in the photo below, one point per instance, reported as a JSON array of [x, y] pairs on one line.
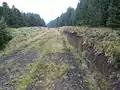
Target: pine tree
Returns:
[[15, 18], [4, 34], [114, 14]]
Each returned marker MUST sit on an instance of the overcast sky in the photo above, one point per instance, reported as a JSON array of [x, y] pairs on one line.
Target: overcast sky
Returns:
[[48, 9]]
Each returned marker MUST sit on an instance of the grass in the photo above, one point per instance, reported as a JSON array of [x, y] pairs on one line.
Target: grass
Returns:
[[44, 73], [25, 38], [105, 40], [21, 38], [52, 41]]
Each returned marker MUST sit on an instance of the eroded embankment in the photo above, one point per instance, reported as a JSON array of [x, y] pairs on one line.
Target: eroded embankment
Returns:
[[102, 70]]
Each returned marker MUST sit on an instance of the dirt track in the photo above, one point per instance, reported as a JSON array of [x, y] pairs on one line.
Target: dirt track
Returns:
[[74, 76]]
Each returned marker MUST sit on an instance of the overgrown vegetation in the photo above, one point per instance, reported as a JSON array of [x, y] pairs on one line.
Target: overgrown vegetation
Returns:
[[92, 43], [105, 40], [5, 35]]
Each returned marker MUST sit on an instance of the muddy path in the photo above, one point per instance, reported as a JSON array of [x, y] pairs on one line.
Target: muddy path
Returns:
[[14, 65], [75, 77]]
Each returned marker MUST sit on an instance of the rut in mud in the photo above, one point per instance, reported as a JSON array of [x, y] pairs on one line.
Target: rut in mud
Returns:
[[75, 79]]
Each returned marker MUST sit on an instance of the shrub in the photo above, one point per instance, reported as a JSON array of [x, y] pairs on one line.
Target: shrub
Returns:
[[5, 36]]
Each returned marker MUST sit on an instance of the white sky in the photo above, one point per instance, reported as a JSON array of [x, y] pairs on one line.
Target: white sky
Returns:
[[48, 9]]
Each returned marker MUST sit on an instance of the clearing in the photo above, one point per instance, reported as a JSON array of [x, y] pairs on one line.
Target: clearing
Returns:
[[45, 59]]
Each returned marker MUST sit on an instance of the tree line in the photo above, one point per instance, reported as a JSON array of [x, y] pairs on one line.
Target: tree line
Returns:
[[104, 13], [14, 18]]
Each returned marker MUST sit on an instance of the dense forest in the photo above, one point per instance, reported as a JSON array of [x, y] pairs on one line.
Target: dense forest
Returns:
[[14, 18], [105, 13]]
